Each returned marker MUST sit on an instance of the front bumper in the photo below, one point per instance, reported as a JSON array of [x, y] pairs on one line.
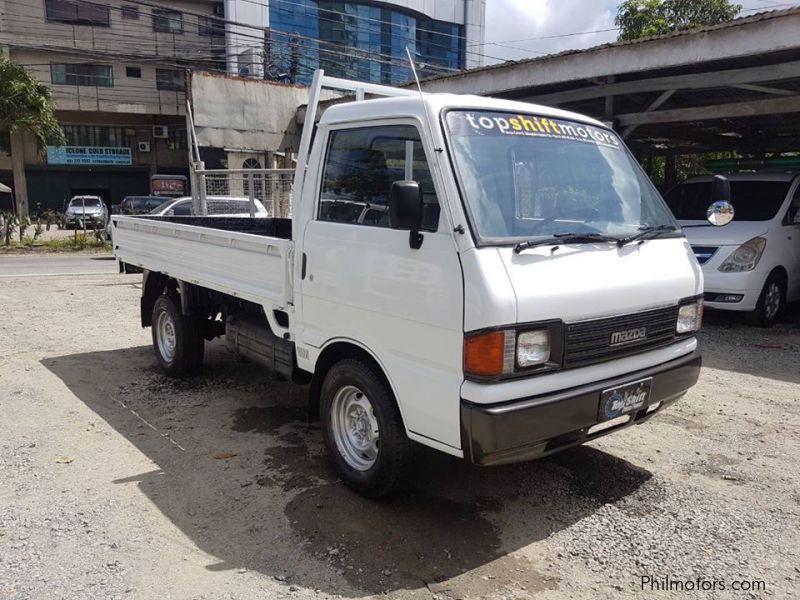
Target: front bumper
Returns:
[[71, 219], [747, 284], [534, 427]]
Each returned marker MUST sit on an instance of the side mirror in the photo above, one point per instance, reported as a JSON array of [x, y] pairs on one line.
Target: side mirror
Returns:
[[406, 208], [720, 212]]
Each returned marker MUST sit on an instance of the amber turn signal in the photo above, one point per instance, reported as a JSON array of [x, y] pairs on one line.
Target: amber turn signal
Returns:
[[484, 354]]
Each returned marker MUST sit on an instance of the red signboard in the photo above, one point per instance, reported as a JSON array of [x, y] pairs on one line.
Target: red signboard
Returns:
[[161, 185]]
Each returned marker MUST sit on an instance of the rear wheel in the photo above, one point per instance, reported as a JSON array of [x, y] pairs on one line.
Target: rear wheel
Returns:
[[177, 339], [770, 303], [363, 429]]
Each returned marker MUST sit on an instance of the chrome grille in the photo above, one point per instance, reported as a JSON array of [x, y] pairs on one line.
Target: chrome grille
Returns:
[[590, 342]]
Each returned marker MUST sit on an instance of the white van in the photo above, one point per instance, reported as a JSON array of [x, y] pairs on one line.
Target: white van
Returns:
[[753, 264], [493, 279]]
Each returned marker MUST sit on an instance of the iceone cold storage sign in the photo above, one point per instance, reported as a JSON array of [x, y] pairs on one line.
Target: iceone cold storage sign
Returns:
[[88, 155]]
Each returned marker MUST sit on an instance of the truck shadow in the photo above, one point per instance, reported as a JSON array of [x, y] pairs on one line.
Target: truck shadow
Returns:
[[243, 475]]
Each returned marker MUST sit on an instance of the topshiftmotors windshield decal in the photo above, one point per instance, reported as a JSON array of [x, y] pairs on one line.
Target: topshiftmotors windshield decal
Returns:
[[502, 123]]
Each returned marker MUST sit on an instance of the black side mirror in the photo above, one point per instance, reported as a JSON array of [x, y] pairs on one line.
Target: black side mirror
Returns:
[[406, 207]]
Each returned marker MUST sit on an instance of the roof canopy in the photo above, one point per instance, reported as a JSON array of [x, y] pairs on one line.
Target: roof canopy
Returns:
[[734, 86]]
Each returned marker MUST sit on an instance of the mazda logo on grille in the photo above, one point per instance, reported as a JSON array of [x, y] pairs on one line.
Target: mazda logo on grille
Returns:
[[626, 337]]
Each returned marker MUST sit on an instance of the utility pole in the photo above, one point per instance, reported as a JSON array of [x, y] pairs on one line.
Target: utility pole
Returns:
[[294, 64]]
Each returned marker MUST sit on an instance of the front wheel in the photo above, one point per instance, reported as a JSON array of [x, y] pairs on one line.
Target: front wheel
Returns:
[[177, 339], [363, 430], [770, 303]]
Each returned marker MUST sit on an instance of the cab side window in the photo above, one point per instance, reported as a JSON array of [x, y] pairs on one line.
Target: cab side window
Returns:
[[182, 209], [360, 167], [793, 216]]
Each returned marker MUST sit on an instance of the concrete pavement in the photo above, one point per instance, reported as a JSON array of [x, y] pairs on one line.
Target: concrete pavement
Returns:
[[42, 265]]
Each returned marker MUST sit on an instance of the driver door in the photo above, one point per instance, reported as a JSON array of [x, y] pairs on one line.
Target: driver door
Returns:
[[364, 283]]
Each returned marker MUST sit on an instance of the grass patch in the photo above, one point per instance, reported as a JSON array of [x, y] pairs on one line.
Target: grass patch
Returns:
[[65, 244]]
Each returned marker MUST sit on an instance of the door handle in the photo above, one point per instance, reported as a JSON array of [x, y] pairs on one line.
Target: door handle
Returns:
[[303, 266]]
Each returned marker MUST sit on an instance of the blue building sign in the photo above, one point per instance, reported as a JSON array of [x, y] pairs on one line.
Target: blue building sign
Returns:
[[88, 155]]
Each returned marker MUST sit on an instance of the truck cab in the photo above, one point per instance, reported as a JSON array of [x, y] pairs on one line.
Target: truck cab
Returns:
[[493, 279]]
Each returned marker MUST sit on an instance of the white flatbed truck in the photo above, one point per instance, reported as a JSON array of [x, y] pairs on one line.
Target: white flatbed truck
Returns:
[[493, 279]]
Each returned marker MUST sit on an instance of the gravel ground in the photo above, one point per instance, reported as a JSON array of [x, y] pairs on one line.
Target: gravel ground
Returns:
[[116, 482]]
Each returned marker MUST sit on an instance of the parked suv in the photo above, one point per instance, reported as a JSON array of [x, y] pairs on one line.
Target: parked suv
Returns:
[[86, 209], [753, 264]]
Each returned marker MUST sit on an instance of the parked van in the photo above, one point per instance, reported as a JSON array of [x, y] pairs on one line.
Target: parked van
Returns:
[[753, 265]]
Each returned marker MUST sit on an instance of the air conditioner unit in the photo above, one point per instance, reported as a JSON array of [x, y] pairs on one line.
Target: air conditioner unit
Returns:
[[144, 146], [160, 132]]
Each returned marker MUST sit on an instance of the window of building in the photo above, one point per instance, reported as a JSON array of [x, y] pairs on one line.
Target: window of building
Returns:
[[176, 139], [170, 80], [210, 26], [96, 135], [82, 74], [361, 166], [130, 12], [347, 38], [77, 12], [167, 21], [133, 72]]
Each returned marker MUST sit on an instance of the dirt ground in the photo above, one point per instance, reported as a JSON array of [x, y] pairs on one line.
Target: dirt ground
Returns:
[[117, 482]]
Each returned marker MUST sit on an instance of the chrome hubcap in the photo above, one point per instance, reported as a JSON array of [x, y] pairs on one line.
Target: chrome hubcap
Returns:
[[355, 428], [772, 301], [165, 334]]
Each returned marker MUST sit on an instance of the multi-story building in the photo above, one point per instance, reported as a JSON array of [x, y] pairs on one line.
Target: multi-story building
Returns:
[[361, 39], [116, 71]]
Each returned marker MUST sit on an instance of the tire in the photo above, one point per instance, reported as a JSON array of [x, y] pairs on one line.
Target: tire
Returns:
[[771, 302], [177, 340], [374, 459]]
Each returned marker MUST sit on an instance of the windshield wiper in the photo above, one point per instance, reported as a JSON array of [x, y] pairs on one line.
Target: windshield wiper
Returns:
[[566, 238], [647, 232]]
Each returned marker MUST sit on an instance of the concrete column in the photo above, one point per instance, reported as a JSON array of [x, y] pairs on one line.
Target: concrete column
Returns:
[[18, 169]]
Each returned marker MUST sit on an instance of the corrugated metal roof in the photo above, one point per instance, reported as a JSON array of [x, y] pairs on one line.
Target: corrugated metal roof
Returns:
[[740, 22]]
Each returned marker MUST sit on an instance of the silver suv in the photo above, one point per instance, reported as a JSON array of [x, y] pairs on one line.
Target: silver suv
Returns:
[[85, 209]]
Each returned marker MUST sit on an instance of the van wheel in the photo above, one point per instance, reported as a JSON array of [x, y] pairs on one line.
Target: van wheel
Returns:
[[177, 339], [770, 303], [363, 430]]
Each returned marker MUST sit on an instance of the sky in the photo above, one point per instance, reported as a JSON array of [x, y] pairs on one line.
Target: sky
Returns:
[[510, 25]]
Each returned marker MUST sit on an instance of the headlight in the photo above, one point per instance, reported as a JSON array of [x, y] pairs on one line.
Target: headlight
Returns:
[[507, 352], [690, 317], [745, 257], [533, 348]]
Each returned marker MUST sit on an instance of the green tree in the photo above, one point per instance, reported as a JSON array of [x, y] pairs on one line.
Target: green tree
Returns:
[[642, 18], [26, 104]]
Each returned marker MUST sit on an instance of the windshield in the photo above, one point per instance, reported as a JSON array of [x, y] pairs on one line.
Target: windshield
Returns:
[[525, 177], [752, 200], [84, 202]]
